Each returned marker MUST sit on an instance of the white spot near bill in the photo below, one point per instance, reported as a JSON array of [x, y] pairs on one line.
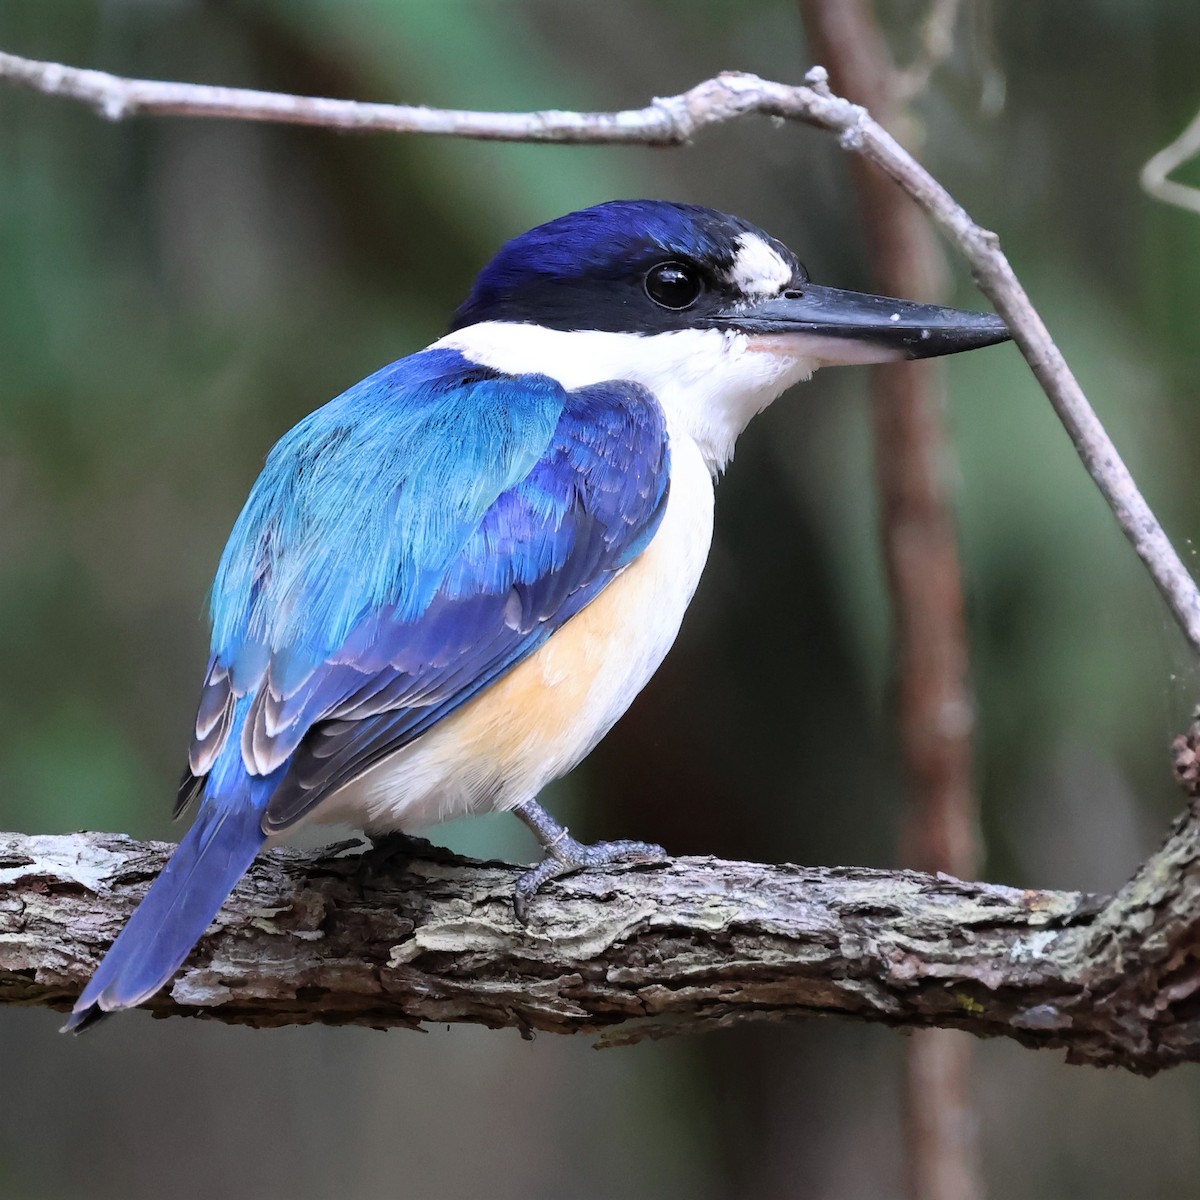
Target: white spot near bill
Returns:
[[758, 270]]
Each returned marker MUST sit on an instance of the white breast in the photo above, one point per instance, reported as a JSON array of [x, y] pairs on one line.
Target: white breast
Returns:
[[710, 382], [544, 716]]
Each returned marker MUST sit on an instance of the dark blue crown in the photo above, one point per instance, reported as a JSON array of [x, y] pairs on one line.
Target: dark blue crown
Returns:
[[585, 270]]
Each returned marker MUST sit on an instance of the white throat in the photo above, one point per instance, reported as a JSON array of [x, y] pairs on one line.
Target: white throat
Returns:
[[710, 382]]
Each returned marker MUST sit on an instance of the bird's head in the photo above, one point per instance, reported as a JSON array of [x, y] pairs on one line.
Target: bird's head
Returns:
[[713, 315]]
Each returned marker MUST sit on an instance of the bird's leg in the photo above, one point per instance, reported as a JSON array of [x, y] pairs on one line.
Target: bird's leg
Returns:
[[564, 855]]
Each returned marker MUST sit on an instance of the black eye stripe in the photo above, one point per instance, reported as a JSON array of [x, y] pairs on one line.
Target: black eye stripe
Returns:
[[673, 285]]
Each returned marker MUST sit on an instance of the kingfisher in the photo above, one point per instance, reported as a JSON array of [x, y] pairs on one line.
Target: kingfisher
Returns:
[[449, 582]]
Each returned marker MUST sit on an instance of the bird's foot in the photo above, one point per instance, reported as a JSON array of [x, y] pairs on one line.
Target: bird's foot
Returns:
[[565, 856]]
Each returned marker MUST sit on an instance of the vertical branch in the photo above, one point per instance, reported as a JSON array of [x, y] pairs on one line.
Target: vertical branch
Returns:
[[943, 1150], [936, 710], [935, 706]]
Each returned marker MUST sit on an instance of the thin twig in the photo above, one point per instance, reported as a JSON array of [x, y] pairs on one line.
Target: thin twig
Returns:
[[670, 121], [675, 120], [1154, 174], [995, 277]]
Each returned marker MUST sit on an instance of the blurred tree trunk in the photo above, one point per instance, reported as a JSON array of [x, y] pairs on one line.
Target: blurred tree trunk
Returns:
[[935, 707]]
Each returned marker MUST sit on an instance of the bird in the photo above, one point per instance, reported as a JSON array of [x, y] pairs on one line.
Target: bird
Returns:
[[449, 582]]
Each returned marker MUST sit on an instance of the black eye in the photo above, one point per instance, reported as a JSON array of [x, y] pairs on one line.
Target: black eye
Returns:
[[673, 285]]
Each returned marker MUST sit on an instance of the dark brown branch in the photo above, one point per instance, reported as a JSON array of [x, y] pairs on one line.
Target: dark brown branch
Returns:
[[381, 939], [935, 706], [920, 545]]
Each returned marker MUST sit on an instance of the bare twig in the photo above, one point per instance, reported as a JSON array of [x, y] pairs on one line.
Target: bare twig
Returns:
[[935, 707], [1154, 174], [672, 121], [667, 121], [997, 281]]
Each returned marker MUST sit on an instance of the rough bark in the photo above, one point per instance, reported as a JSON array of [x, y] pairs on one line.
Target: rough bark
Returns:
[[406, 933]]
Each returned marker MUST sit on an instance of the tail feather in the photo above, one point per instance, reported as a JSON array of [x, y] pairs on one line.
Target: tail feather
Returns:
[[180, 905]]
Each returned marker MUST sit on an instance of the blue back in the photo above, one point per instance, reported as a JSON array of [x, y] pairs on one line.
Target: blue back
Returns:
[[404, 546], [367, 500]]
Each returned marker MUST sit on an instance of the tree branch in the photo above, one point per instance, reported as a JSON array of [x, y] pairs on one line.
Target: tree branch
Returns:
[[388, 939], [917, 530], [673, 121], [666, 121]]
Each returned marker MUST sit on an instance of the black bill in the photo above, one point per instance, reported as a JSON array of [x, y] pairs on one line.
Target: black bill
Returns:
[[879, 327]]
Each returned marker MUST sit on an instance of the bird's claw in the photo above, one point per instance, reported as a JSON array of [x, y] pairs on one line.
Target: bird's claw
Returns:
[[565, 856]]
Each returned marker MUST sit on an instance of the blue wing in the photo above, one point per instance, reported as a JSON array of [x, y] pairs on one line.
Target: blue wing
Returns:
[[406, 546]]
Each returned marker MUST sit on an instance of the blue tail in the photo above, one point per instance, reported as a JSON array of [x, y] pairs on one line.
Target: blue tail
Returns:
[[178, 908]]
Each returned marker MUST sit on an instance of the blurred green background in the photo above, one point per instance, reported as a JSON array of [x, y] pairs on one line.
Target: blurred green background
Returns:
[[175, 294]]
